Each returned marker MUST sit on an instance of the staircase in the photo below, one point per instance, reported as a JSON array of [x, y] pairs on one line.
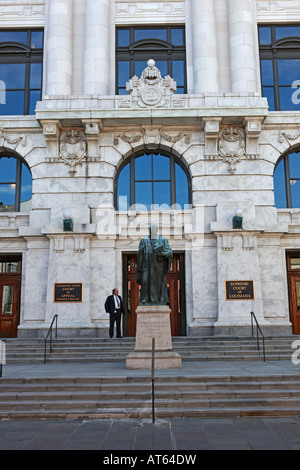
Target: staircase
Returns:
[[130, 397], [210, 348]]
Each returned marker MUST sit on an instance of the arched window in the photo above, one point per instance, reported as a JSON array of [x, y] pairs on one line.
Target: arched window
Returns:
[[15, 184], [287, 181], [152, 180], [136, 45]]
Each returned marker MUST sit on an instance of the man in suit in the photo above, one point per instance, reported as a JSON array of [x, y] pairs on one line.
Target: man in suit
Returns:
[[114, 306]]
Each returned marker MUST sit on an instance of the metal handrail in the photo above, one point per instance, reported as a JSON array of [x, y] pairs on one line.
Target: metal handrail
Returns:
[[258, 330], [51, 341]]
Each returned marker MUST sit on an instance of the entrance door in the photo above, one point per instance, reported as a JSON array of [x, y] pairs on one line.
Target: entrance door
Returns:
[[295, 303], [176, 291], [10, 283]]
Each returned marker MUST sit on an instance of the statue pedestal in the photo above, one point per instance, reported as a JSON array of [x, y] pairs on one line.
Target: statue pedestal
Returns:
[[153, 321]]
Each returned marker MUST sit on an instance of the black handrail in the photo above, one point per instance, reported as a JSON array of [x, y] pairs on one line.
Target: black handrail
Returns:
[[46, 337], [258, 330]]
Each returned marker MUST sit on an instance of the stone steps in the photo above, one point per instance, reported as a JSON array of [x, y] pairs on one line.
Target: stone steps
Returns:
[[115, 350], [130, 397]]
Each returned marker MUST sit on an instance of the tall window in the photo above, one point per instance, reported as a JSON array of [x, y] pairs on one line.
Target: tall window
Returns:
[[21, 58], [15, 185], [280, 66], [152, 181], [136, 45], [287, 181]]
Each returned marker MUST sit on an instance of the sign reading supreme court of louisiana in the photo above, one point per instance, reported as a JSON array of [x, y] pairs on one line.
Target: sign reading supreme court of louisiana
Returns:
[[239, 290], [68, 292]]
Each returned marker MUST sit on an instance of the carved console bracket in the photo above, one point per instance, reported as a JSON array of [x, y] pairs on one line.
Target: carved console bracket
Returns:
[[72, 146], [231, 143]]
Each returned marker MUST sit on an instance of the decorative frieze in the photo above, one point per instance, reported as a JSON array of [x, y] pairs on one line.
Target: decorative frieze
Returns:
[[151, 136]]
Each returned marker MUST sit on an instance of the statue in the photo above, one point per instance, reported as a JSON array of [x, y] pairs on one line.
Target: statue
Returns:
[[153, 263]]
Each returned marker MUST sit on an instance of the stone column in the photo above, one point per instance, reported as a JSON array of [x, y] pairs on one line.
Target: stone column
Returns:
[[59, 47], [97, 47], [242, 46], [204, 46]]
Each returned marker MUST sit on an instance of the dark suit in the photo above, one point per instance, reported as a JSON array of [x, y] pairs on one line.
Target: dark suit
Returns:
[[114, 314]]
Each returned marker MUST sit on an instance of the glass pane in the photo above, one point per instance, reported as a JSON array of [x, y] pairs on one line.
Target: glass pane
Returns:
[[182, 188], [36, 76], [268, 92], [123, 72], [9, 267], [162, 193], [37, 39], [178, 72], [8, 168], [124, 189], [34, 97], [7, 300], [288, 71], [150, 34], [295, 263], [13, 75], [294, 161], [139, 67], [265, 35], [143, 195], [289, 99], [14, 103], [13, 36], [143, 168], [162, 65], [161, 167], [279, 186], [267, 74], [287, 31], [123, 37], [26, 189], [7, 196], [295, 192], [177, 36]]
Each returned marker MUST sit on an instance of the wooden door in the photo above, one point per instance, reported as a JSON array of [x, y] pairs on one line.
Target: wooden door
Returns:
[[294, 293], [176, 291], [10, 286]]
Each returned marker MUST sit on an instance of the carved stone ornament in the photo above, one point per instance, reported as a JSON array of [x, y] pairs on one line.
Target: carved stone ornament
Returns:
[[72, 148], [232, 146], [151, 90], [285, 135]]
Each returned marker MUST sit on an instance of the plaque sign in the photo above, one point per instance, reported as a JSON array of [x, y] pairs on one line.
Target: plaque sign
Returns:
[[239, 290], [68, 292]]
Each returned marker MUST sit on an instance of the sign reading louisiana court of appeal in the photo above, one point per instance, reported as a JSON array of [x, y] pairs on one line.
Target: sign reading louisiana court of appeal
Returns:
[[239, 290], [68, 292]]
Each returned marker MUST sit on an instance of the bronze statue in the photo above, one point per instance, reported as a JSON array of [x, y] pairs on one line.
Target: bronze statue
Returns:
[[153, 263]]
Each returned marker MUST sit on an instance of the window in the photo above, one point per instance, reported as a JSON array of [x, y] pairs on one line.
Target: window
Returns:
[[152, 181], [21, 58], [280, 66], [135, 46], [287, 181], [15, 185]]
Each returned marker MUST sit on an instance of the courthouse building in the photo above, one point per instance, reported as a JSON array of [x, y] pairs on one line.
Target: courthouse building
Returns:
[[115, 114]]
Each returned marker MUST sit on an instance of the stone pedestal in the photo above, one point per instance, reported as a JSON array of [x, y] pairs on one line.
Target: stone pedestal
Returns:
[[153, 322]]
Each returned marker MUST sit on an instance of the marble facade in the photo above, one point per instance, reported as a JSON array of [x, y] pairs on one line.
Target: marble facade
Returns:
[[227, 174]]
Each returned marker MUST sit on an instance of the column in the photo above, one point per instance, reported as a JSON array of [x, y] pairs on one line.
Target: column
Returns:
[[97, 47], [242, 46], [204, 46], [59, 47]]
